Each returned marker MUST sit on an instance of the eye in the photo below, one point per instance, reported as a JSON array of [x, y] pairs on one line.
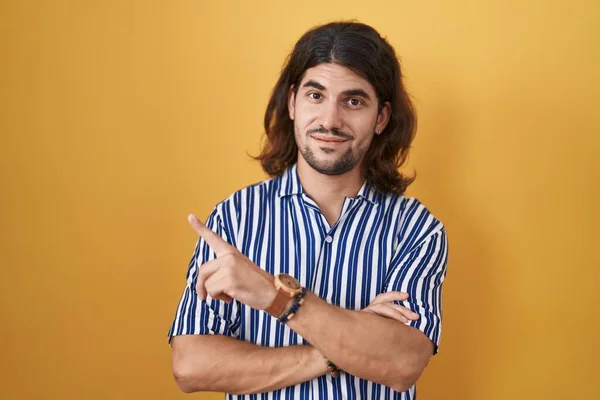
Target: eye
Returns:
[[315, 96], [354, 102]]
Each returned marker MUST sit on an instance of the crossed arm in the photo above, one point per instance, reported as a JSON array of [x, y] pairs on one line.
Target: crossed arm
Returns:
[[224, 364], [373, 345], [209, 362]]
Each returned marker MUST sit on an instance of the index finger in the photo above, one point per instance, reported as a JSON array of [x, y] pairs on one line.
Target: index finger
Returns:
[[215, 241]]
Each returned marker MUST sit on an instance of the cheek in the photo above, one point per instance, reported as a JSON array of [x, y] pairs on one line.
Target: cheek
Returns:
[[298, 133], [305, 114], [363, 127]]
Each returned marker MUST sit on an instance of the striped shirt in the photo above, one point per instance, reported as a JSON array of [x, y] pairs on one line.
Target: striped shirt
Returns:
[[380, 242]]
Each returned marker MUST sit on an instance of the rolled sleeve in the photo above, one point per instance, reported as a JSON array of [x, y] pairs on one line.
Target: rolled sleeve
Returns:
[[210, 316], [421, 273]]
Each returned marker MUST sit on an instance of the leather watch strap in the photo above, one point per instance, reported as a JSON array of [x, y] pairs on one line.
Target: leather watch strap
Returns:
[[279, 305]]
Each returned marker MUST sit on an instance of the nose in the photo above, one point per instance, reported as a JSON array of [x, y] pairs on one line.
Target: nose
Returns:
[[331, 117]]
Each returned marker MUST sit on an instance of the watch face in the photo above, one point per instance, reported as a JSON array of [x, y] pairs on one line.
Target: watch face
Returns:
[[289, 281]]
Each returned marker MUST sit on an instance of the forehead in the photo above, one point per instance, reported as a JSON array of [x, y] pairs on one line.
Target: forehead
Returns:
[[336, 78]]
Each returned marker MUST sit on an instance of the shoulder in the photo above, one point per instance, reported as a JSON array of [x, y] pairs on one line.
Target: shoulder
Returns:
[[416, 216], [251, 197], [414, 222]]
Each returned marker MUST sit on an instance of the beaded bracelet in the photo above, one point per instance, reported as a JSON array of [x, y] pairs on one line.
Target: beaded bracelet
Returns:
[[333, 369], [289, 314]]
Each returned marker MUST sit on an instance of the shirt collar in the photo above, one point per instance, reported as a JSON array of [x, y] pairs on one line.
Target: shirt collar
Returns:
[[289, 182], [289, 185], [368, 193]]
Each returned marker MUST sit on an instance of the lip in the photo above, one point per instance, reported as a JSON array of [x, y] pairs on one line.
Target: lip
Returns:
[[329, 139]]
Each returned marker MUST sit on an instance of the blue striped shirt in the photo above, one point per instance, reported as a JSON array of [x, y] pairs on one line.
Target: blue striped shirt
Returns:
[[381, 242]]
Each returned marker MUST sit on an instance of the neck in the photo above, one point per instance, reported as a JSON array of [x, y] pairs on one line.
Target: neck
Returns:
[[329, 191]]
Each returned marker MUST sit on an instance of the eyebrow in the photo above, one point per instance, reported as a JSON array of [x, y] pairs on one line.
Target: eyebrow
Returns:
[[349, 92], [357, 92], [314, 84]]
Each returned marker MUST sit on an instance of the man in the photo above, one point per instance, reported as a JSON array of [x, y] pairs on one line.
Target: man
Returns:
[[284, 269]]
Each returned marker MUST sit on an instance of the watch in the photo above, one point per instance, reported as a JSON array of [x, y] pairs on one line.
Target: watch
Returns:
[[287, 287]]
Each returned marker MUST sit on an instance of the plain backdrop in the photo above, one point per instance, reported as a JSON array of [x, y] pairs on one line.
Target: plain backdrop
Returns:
[[118, 118]]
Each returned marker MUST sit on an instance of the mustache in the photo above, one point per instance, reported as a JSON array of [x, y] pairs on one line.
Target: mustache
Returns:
[[333, 132]]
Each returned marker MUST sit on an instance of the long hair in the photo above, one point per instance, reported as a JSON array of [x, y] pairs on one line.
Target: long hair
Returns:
[[360, 48]]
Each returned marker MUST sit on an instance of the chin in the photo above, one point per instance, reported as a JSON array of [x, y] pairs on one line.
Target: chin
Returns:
[[331, 167], [332, 163]]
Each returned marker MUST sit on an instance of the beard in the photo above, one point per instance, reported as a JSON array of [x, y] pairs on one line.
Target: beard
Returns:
[[344, 163]]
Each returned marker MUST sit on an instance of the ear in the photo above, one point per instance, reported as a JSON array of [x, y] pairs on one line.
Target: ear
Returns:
[[383, 118], [291, 102]]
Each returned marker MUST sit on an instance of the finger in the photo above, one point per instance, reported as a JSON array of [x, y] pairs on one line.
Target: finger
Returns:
[[223, 297], [385, 310], [216, 287], [205, 272], [215, 241], [406, 312], [389, 297]]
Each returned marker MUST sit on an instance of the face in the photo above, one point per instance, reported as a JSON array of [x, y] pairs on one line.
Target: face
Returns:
[[335, 114]]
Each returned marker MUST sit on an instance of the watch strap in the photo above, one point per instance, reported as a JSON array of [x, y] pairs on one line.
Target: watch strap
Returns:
[[279, 305]]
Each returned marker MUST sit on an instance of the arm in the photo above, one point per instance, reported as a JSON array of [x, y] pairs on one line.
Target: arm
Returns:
[[376, 348], [366, 345], [207, 356], [207, 362], [225, 364]]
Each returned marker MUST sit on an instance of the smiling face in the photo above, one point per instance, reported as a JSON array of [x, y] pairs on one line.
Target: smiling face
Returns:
[[335, 113]]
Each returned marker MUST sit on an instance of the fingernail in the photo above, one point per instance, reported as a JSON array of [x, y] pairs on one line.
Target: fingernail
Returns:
[[192, 218]]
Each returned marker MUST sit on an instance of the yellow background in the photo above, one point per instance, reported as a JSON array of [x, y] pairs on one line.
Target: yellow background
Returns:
[[121, 117]]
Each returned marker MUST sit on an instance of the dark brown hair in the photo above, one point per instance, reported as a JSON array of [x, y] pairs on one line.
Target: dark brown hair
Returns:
[[360, 48]]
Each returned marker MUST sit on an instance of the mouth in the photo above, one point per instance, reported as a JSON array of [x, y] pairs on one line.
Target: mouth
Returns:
[[329, 139]]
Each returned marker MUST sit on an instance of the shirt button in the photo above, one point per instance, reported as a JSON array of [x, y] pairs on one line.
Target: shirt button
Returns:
[[329, 239]]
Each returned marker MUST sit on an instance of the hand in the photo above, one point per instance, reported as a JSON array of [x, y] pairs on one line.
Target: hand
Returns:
[[383, 305], [231, 274]]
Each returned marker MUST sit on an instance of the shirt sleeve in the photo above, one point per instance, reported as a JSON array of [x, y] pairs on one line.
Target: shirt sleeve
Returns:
[[210, 316], [420, 273]]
